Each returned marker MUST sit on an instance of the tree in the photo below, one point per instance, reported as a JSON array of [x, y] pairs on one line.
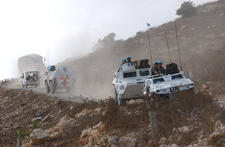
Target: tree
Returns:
[[187, 9]]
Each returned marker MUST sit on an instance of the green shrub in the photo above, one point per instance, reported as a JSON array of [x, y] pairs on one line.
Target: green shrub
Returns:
[[22, 132], [187, 9]]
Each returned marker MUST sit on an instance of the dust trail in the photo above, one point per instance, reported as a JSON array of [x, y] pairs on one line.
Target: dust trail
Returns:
[[201, 39]]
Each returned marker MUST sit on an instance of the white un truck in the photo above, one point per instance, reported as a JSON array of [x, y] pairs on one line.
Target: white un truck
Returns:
[[58, 78], [129, 79]]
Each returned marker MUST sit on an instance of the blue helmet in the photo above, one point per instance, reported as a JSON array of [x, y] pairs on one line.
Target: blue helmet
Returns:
[[160, 62], [124, 60], [128, 57]]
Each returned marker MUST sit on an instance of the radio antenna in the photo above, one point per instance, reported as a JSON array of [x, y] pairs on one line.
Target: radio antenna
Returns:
[[149, 44], [167, 44], [178, 48]]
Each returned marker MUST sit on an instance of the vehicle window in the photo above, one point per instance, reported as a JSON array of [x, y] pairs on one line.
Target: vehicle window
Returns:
[[179, 76], [51, 68], [144, 73], [158, 80], [129, 74]]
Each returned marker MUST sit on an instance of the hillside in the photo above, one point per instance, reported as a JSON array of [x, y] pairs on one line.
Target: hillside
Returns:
[[32, 119], [202, 44]]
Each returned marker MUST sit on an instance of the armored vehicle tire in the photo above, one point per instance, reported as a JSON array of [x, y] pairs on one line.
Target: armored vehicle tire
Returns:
[[169, 96], [120, 100], [116, 95]]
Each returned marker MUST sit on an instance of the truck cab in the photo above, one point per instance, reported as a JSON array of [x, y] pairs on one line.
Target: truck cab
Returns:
[[30, 79]]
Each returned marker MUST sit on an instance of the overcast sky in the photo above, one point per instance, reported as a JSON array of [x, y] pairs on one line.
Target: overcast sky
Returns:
[[66, 28]]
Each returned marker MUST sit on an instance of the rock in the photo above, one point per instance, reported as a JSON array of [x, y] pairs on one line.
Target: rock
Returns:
[[27, 145], [184, 129], [173, 145], [128, 141], [217, 135], [93, 136], [163, 140], [26, 93], [100, 126], [113, 140], [66, 126], [88, 112], [218, 125], [36, 118], [39, 136], [204, 86], [138, 101]]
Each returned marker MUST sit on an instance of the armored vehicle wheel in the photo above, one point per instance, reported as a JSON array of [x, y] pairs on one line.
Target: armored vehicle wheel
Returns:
[[116, 95], [120, 100], [169, 96]]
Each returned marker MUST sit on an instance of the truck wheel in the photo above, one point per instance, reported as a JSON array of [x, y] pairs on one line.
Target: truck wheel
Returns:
[[121, 101], [52, 87], [47, 88]]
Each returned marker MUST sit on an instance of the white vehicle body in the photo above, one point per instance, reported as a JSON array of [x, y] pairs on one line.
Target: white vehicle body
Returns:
[[60, 78], [167, 84], [128, 81], [30, 79]]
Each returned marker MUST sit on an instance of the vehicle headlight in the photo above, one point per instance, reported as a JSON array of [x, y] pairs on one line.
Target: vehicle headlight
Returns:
[[191, 85]]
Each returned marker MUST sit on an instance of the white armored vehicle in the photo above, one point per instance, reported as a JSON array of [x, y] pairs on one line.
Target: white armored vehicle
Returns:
[[129, 79], [30, 79], [165, 85], [58, 78]]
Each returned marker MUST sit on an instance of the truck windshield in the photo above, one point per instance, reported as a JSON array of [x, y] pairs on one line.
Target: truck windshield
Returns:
[[144, 73], [179, 76], [129, 74], [158, 80]]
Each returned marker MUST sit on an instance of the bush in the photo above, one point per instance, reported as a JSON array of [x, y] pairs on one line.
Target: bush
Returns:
[[187, 9], [22, 132]]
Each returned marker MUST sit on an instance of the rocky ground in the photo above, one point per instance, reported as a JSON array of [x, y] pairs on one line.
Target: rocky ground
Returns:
[[29, 119]]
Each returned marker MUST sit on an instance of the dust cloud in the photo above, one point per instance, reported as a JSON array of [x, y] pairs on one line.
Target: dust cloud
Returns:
[[201, 41]]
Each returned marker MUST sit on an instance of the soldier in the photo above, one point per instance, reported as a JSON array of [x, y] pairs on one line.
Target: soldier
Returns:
[[161, 69], [123, 61], [128, 59], [155, 69]]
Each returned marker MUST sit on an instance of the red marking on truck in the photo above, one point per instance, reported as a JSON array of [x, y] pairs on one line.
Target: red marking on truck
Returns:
[[64, 80]]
